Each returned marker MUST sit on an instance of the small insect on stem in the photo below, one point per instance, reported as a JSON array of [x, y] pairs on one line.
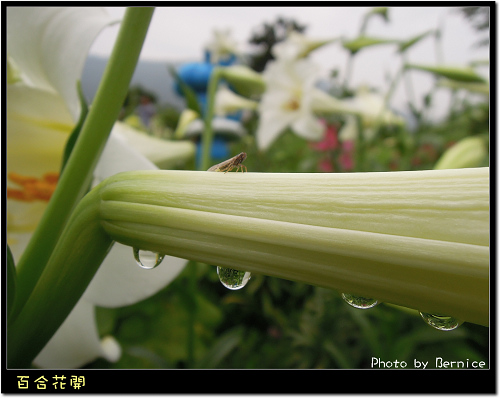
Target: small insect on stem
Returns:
[[228, 165]]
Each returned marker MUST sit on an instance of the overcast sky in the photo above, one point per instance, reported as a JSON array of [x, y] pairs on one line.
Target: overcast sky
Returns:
[[179, 34]]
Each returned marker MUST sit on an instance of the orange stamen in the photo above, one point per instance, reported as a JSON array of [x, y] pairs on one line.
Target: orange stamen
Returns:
[[32, 188]]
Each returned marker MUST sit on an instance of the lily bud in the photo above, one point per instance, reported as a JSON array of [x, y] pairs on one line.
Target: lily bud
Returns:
[[468, 152], [244, 80], [227, 102], [187, 116]]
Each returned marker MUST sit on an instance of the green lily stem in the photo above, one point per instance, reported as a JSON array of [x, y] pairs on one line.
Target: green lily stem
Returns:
[[410, 92], [350, 57], [388, 97], [348, 73], [394, 83], [360, 148], [78, 171], [438, 47], [208, 134]]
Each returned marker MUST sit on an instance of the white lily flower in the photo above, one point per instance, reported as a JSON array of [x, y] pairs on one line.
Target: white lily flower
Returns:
[[297, 46], [41, 113], [372, 110], [288, 101], [222, 46]]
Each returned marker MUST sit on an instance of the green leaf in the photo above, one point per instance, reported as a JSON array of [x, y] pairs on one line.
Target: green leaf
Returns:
[[11, 281], [382, 11], [458, 74], [76, 131], [338, 356], [363, 41], [406, 44], [189, 94], [222, 348]]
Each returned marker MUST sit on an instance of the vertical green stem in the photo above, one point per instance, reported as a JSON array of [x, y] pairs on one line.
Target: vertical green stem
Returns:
[[348, 70], [408, 83], [208, 135], [88, 148], [438, 45], [360, 147], [393, 85], [387, 97]]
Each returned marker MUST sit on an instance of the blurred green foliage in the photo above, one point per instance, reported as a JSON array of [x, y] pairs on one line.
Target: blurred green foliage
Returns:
[[272, 324]]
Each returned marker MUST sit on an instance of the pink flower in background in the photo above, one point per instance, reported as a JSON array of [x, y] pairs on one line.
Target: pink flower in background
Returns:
[[330, 142], [346, 158], [325, 165]]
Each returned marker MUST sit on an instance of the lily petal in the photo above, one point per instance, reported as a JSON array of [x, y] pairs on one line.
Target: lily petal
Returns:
[[164, 154], [38, 126], [308, 127], [61, 351], [120, 281], [270, 126], [36, 36]]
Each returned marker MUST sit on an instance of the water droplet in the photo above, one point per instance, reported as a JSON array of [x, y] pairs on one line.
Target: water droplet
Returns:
[[441, 322], [146, 259], [359, 302], [232, 278]]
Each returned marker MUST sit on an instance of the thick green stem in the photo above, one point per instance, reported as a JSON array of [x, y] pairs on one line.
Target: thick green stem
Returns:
[[85, 155]]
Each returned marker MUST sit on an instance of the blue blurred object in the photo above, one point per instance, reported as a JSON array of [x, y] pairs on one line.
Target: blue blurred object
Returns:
[[220, 150], [236, 116], [196, 75], [231, 59]]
